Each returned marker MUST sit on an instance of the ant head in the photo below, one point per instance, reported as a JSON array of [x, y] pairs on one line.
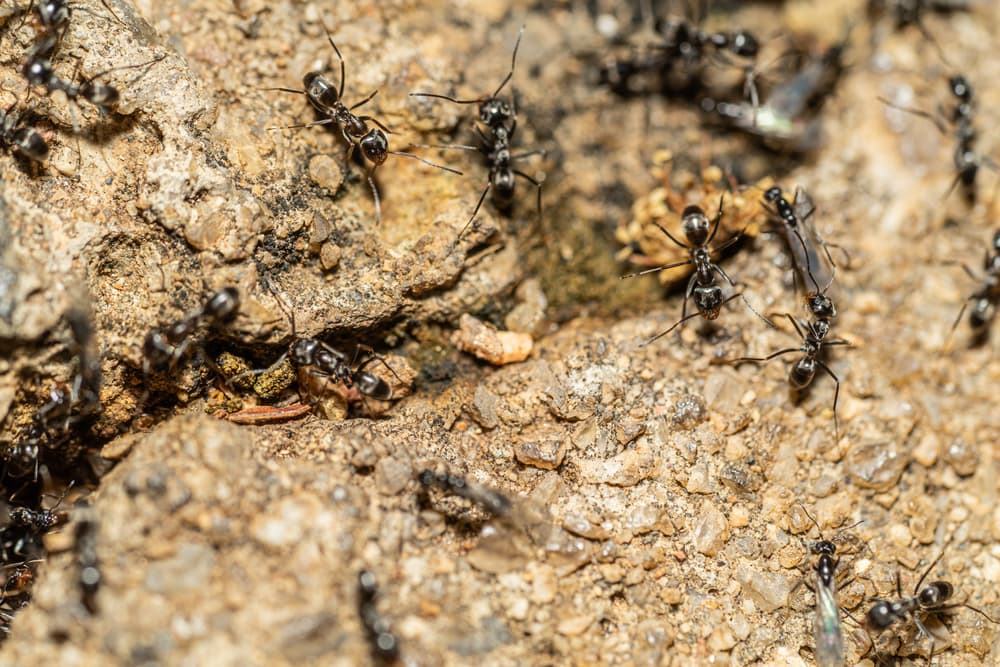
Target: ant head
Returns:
[[960, 88], [823, 547], [321, 93], [375, 146], [494, 112], [695, 224], [302, 351], [372, 386], [708, 301], [773, 193], [934, 594], [821, 306], [29, 142], [223, 305], [881, 615], [744, 44]]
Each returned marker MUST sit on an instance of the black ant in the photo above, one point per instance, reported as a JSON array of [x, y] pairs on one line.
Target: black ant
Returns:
[[984, 300], [965, 159], [13, 134], [828, 629], [926, 601], [800, 234], [682, 42], [384, 644], [164, 348], [54, 15], [703, 286], [911, 12], [328, 100], [500, 120], [67, 407], [782, 121], [41, 520], [493, 501], [38, 71], [323, 361], [85, 546], [814, 338]]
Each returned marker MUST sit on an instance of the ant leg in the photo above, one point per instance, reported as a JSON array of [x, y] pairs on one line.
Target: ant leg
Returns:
[[475, 212], [758, 360], [375, 121], [658, 268], [722, 273], [365, 101], [672, 327], [836, 395], [513, 59], [343, 69], [378, 202], [325, 121], [427, 162], [537, 185], [715, 221], [917, 112], [380, 359], [671, 236], [536, 151], [286, 90], [445, 97], [923, 629], [795, 324], [257, 372]]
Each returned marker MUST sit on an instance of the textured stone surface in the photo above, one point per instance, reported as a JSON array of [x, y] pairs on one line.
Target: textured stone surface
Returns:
[[658, 495]]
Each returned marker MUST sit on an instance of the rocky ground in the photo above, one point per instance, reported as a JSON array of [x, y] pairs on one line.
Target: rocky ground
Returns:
[[660, 498]]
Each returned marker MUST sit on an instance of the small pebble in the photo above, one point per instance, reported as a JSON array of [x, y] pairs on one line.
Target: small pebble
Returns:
[[769, 591], [326, 172], [963, 457], [547, 455], [711, 532], [485, 342]]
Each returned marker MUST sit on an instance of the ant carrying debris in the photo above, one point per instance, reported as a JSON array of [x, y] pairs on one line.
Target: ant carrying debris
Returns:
[[801, 236], [965, 159], [318, 360], [500, 120], [828, 629], [163, 349], [328, 100], [782, 121], [24, 138], [926, 602], [702, 284], [984, 300], [384, 644]]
